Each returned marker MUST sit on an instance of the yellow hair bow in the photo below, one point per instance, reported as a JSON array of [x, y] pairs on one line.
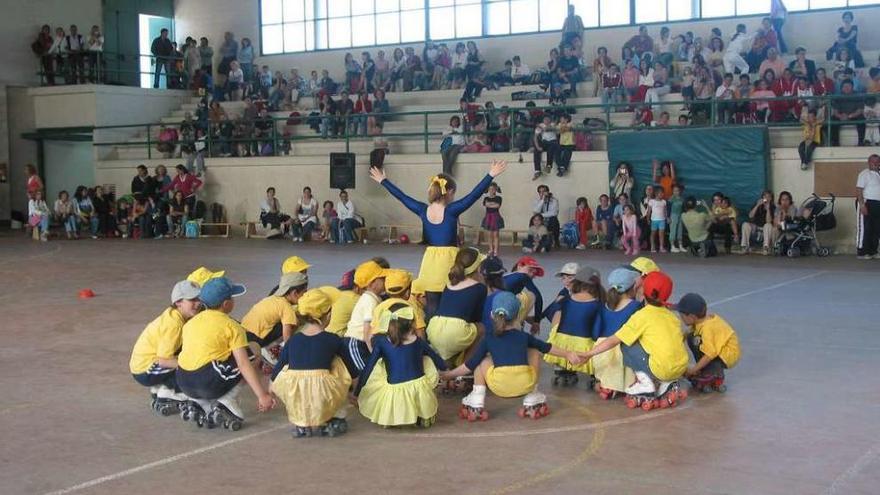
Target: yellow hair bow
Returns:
[[405, 313], [440, 181]]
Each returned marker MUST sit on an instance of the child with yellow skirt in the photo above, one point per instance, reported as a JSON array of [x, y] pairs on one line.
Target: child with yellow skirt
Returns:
[[439, 219], [396, 388], [398, 284], [612, 377], [575, 324], [507, 362], [456, 326], [520, 282], [310, 377]]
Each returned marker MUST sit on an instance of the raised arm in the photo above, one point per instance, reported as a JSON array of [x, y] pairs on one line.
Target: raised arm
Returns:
[[411, 204]]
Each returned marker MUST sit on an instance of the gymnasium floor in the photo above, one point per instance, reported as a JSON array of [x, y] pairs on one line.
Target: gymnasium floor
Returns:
[[800, 415]]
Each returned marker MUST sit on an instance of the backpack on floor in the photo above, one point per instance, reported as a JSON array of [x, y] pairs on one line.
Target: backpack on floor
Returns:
[[191, 229], [569, 235], [217, 213]]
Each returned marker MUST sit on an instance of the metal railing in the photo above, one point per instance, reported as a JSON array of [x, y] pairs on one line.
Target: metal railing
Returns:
[[710, 109], [102, 67]]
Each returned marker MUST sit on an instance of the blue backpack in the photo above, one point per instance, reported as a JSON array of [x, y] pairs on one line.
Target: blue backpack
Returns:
[[191, 229], [569, 235]]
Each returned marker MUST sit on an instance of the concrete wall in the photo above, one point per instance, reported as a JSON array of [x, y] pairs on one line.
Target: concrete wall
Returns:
[[21, 151], [240, 184], [813, 30], [98, 105], [5, 199]]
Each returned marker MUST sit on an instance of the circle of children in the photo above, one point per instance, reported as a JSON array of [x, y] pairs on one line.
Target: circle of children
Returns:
[[383, 340]]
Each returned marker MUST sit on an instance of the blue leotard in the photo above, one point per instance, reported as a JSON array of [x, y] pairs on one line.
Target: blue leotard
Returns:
[[612, 321], [402, 363], [310, 352], [580, 319], [465, 304], [516, 281], [509, 349], [553, 307], [444, 233]]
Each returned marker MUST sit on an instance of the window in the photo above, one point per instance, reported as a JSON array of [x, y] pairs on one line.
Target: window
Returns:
[[291, 26]]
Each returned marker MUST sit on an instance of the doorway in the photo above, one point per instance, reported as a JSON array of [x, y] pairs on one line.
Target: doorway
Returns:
[[149, 27]]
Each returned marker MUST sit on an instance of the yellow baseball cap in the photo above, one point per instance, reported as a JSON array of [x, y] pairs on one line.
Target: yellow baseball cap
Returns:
[[644, 265], [417, 287], [294, 264], [314, 303], [366, 272], [201, 275], [331, 292], [397, 281]]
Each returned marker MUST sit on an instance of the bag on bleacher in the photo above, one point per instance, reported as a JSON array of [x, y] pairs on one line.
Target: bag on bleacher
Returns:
[[569, 235], [191, 229], [266, 149], [583, 141], [445, 144]]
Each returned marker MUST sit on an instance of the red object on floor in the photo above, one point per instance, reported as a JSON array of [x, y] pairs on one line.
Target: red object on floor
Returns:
[[404, 239], [86, 294]]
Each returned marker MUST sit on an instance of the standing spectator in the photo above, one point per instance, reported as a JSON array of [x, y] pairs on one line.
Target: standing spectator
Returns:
[[801, 66], [186, 183], [583, 216], [566, 144], [812, 133], [76, 48], [762, 107], [630, 78], [235, 81], [142, 185], [847, 38], [162, 50], [96, 54], [724, 93], [246, 59], [344, 110], [42, 47], [474, 71], [175, 68], [192, 60], [601, 66], [343, 226], [847, 108], [733, 59], [206, 53], [722, 223], [65, 212], [623, 181], [368, 73], [778, 13], [611, 87], [228, 53], [442, 66], [573, 27], [453, 142], [868, 203], [57, 52], [363, 107], [352, 73], [760, 220], [548, 207], [34, 183]]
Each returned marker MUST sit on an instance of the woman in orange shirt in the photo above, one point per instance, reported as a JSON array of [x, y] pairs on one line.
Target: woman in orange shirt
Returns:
[[664, 174]]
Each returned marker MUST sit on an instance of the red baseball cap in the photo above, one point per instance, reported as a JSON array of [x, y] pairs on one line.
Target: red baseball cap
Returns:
[[657, 285], [531, 263]]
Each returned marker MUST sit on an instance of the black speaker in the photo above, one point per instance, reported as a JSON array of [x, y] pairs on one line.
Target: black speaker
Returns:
[[342, 171]]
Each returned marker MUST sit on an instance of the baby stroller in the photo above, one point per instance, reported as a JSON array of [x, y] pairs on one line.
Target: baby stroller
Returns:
[[798, 237]]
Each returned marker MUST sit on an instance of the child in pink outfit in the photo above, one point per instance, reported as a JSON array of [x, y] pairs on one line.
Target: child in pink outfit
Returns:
[[630, 238]]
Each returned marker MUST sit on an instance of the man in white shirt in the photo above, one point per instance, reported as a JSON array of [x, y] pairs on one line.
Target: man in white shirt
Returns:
[[521, 74], [369, 279], [868, 204], [548, 207], [342, 227], [75, 52]]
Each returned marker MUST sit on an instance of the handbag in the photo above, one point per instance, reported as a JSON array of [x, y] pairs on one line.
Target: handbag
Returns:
[[446, 143]]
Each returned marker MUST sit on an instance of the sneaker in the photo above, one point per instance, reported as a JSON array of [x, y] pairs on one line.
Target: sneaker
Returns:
[[653, 250], [529, 251], [580, 247], [765, 251], [865, 257], [877, 256], [745, 250], [663, 250], [642, 385], [536, 176], [803, 166]]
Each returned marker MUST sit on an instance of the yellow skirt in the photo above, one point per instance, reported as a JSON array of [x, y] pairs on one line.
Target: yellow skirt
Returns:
[[511, 381], [609, 369], [526, 303], [436, 263], [570, 343], [312, 397], [450, 336], [399, 404]]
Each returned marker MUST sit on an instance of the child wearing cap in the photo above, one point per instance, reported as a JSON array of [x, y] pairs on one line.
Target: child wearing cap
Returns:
[[154, 356], [344, 298], [712, 341], [397, 287], [519, 282], [566, 275], [576, 323], [612, 376], [507, 362], [455, 327], [294, 264], [201, 275], [273, 318], [396, 388], [492, 270], [652, 346], [310, 377], [369, 277], [214, 358]]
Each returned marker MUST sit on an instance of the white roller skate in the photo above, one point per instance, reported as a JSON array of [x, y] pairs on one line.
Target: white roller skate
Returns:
[[534, 406], [669, 394], [227, 411], [473, 405], [642, 393], [196, 410], [166, 401]]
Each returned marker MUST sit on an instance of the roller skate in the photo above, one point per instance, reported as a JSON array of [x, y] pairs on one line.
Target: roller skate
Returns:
[[473, 405], [566, 378], [270, 355], [670, 393], [605, 393], [334, 427], [227, 412], [642, 393], [459, 385], [709, 383], [167, 402], [426, 422], [301, 431], [195, 410], [534, 406]]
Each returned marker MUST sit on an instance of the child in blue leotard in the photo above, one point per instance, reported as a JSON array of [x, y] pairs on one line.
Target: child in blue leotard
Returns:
[[612, 377], [439, 225], [520, 283], [399, 389], [507, 362], [576, 323]]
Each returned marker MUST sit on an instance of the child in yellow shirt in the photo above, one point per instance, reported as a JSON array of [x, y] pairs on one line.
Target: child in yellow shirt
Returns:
[[712, 341], [273, 319]]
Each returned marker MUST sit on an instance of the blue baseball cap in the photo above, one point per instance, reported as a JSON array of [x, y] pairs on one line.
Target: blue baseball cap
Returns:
[[622, 279], [217, 290], [505, 304]]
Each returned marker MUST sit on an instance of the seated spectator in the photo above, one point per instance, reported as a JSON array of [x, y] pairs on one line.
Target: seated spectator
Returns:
[[342, 229], [104, 211], [685, 42], [683, 120], [327, 85], [263, 127], [442, 66], [842, 62], [216, 113], [328, 216], [328, 113], [521, 73], [545, 141], [66, 214], [662, 121], [723, 221], [186, 183], [812, 133], [872, 115], [642, 116], [86, 209], [697, 222], [630, 78], [344, 110], [773, 62], [478, 144], [39, 215], [178, 213], [646, 81], [414, 72], [281, 92], [457, 72], [383, 70], [313, 88], [142, 217], [503, 77], [760, 220], [538, 239], [661, 84], [801, 66], [715, 57], [548, 206], [271, 215], [664, 48], [168, 142], [604, 223], [786, 213], [847, 108], [306, 216], [501, 138], [601, 66], [352, 73], [123, 218], [847, 39], [762, 107], [725, 108], [611, 88], [376, 121], [569, 71]]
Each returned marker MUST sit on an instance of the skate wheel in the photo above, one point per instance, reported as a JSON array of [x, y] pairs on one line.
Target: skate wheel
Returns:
[[521, 412], [555, 381], [462, 412], [682, 395], [721, 388], [647, 405], [471, 416], [631, 402], [664, 403], [545, 410], [166, 411], [536, 414], [484, 415]]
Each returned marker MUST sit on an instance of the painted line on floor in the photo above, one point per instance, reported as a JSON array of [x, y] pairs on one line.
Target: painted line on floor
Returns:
[[861, 463], [165, 461], [765, 289]]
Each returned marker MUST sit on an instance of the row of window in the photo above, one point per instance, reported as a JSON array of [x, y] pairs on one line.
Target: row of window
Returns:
[[289, 26]]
